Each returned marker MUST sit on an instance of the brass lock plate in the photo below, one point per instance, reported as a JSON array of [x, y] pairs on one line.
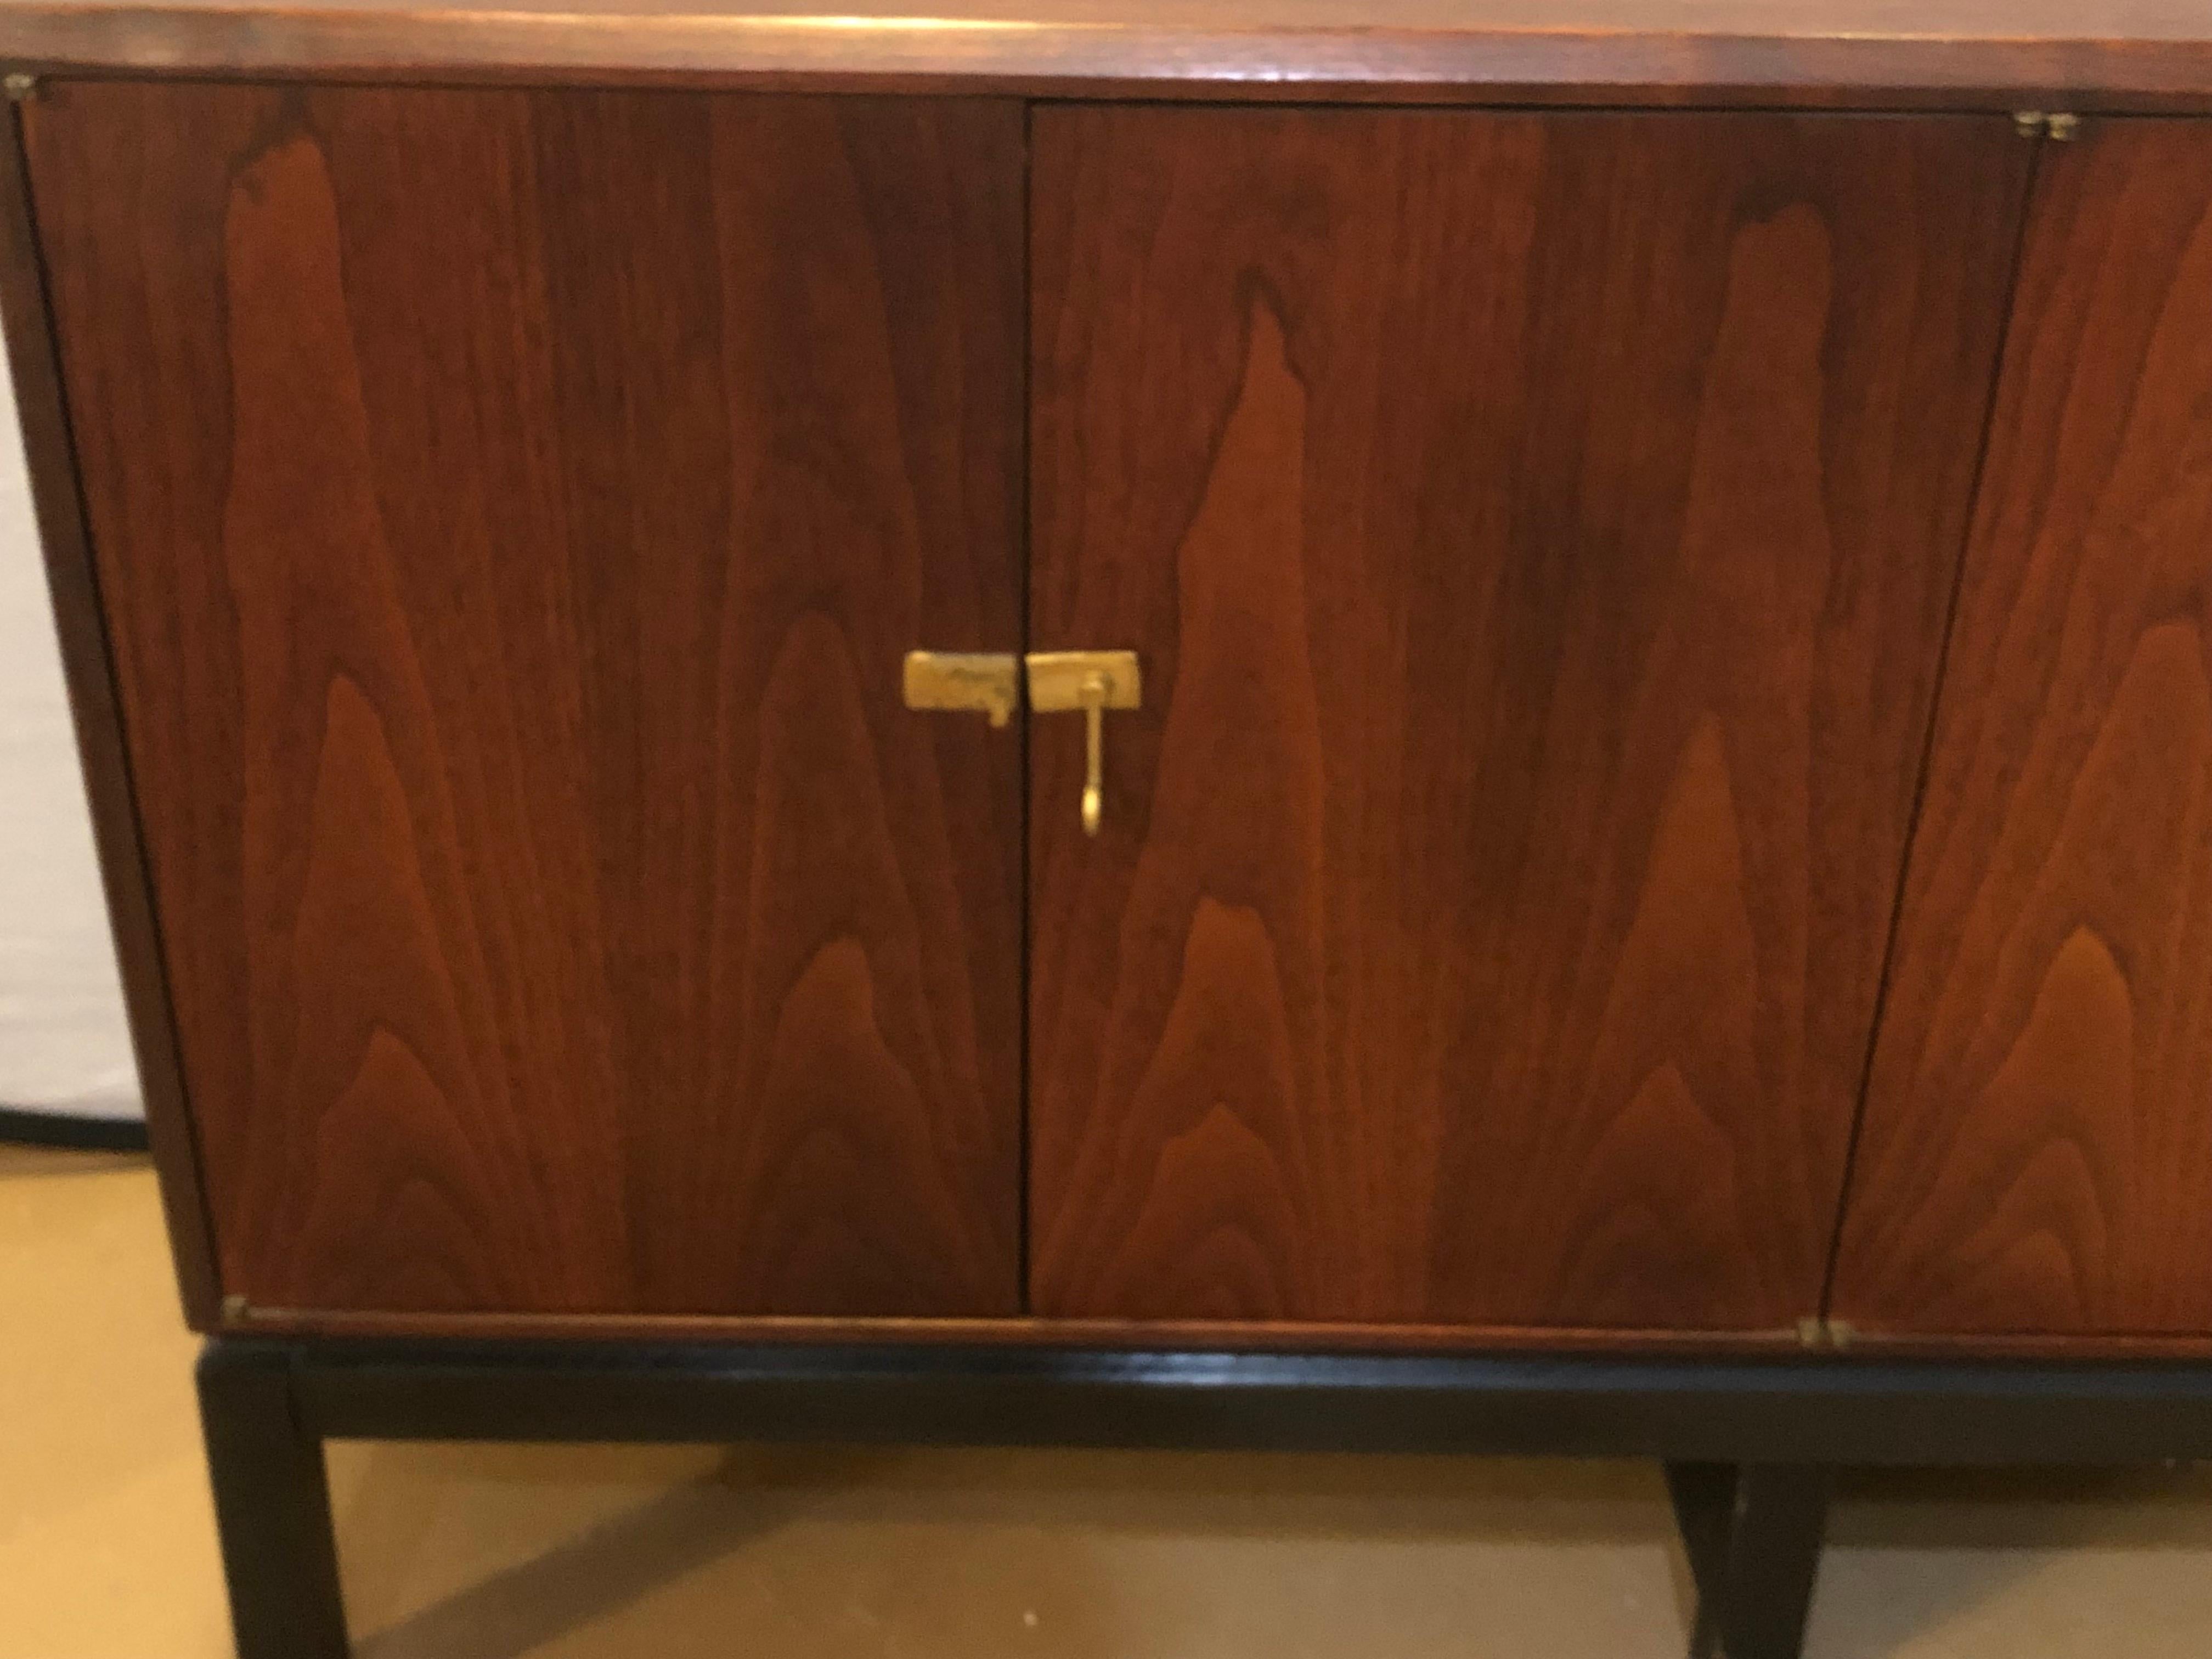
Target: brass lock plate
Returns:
[[1059, 680], [966, 682]]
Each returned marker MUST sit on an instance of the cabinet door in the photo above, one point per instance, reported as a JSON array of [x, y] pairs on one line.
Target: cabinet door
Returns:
[[2036, 1156], [511, 510], [1537, 532]]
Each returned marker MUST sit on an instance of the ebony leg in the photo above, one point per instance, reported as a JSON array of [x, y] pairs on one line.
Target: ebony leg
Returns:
[[272, 1506], [1752, 1533]]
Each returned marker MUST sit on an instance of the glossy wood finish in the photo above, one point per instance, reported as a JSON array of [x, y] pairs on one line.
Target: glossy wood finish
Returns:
[[2098, 54], [512, 510], [2037, 1154], [1222, 1336], [1538, 532], [1752, 1536], [272, 1505], [1774, 1411], [1155, 1335], [73, 583]]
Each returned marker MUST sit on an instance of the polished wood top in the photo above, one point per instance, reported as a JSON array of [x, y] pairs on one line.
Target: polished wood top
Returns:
[[2085, 54]]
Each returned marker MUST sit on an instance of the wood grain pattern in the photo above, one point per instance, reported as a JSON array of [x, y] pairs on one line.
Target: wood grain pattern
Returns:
[[1993, 54], [1537, 532], [2037, 1154], [89, 671], [511, 509]]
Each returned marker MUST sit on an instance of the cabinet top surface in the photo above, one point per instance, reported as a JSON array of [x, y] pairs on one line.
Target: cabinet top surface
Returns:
[[2116, 54]]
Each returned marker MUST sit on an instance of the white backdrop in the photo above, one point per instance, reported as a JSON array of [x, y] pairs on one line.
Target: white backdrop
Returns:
[[63, 1045]]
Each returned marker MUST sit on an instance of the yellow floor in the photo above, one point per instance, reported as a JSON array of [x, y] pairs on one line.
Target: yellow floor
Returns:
[[106, 1549]]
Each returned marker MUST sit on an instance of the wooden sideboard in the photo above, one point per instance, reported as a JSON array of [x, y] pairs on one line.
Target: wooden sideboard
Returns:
[[1080, 704]]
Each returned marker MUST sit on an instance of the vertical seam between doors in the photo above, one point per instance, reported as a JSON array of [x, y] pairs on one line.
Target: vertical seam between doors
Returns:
[[1999, 375], [1024, 560]]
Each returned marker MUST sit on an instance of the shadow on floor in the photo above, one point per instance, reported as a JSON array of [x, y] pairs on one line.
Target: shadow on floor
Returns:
[[579, 1582], [942, 1555], [1917, 1553], [959, 1549]]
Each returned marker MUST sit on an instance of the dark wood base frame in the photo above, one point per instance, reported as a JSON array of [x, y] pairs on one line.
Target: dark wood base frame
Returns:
[[1749, 1445], [25, 1127]]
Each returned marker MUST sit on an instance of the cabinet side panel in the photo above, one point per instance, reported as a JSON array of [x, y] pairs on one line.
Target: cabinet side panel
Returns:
[[2037, 1155], [1538, 532], [89, 668], [511, 509]]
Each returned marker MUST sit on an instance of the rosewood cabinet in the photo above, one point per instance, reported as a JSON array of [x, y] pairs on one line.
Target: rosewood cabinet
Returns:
[[974, 730]]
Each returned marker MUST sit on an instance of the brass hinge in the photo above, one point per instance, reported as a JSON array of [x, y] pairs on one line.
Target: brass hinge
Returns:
[[2058, 126], [237, 1310], [1827, 1334]]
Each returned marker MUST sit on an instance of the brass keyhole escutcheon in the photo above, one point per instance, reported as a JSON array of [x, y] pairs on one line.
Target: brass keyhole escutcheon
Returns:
[[1089, 682]]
